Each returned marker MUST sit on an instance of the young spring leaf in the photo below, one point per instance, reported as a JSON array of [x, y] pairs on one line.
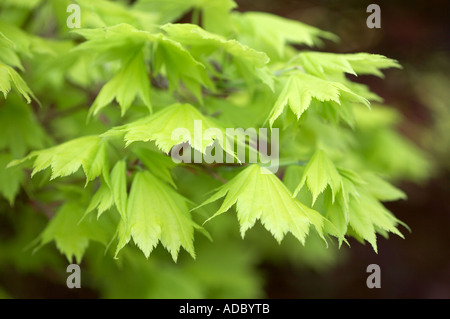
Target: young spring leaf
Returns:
[[10, 178], [102, 13], [319, 173], [72, 236], [7, 76], [356, 209], [103, 200], [215, 14], [119, 186], [301, 88], [203, 42], [65, 159], [324, 64], [161, 126], [128, 83], [20, 129], [157, 213], [367, 214], [381, 189], [271, 33], [8, 54], [158, 164], [179, 65], [259, 194]]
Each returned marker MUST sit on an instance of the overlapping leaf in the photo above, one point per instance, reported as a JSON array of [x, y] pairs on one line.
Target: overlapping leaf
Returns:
[[128, 83], [10, 178], [72, 236], [319, 173], [179, 65], [185, 119], [250, 63], [204, 42], [271, 33], [301, 88], [126, 44], [215, 14], [89, 152], [157, 213], [7, 76], [352, 203], [20, 130], [102, 13], [323, 64]]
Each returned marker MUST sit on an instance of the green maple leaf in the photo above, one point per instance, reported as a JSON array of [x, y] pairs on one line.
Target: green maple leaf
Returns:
[[167, 10], [72, 236], [65, 159], [204, 42], [8, 52], [215, 14], [118, 184], [366, 214], [180, 65], [7, 76], [160, 127], [319, 173], [356, 209], [201, 43], [20, 128], [11, 178], [259, 194], [157, 213], [158, 164], [325, 64], [126, 44], [267, 31], [301, 88], [102, 13], [128, 83], [102, 200]]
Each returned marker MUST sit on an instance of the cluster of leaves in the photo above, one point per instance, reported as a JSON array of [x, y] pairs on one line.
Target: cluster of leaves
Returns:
[[136, 75]]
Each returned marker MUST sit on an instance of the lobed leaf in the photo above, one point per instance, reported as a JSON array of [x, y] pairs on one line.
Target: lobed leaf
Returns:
[[156, 213], [301, 88], [259, 194]]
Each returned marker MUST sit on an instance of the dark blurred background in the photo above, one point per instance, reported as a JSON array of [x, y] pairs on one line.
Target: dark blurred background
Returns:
[[417, 34]]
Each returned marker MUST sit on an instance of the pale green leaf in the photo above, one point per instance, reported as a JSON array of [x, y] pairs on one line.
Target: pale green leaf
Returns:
[[158, 164], [128, 83], [325, 64], [102, 200], [10, 178], [301, 88], [180, 65], [161, 126], [271, 33], [119, 186], [167, 10], [7, 76], [319, 173], [205, 42], [71, 237], [216, 15], [260, 195], [381, 189], [157, 213], [65, 159]]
